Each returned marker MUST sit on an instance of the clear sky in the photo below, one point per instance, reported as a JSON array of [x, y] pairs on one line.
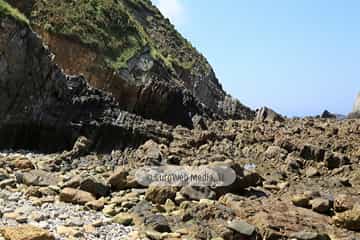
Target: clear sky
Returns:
[[297, 56]]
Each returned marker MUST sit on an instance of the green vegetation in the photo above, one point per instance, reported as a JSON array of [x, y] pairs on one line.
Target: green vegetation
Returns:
[[167, 43], [117, 29], [104, 25], [7, 10]]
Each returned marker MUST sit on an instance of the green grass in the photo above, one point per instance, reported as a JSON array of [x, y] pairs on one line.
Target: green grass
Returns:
[[168, 45], [103, 25], [113, 29], [122, 60], [7, 10]]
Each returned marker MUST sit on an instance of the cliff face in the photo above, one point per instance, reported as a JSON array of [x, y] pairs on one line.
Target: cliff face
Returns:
[[44, 109], [127, 48]]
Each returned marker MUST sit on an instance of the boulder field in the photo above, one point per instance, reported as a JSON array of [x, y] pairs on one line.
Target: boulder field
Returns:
[[72, 139]]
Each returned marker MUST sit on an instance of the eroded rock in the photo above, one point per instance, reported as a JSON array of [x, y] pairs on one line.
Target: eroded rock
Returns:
[[76, 196], [25, 232]]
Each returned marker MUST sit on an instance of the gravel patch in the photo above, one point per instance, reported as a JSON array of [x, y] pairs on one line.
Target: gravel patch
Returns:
[[50, 216]]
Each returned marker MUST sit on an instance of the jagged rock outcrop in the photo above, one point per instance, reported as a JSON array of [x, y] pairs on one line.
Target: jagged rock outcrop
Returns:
[[267, 114], [129, 49], [356, 110], [42, 108], [327, 114]]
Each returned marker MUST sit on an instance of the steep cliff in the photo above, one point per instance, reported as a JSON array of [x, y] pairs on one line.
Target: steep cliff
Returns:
[[44, 109], [127, 48]]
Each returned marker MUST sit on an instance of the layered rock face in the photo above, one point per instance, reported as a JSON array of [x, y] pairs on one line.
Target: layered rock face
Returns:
[[130, 50], [42, 108]]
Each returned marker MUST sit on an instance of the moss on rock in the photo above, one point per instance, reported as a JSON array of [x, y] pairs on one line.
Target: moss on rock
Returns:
[[7, 10]]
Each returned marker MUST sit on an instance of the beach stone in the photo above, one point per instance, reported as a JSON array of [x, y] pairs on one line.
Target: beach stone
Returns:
[[25, 232]]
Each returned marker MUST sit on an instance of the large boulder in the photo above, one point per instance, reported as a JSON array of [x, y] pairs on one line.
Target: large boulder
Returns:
[[349, 219], [122, 179], [327, 114], [37, 178], [312, 152], [198, 193], [95, 186], [244, 179], [159, 195], [25, 232], [76, 196], [269, 115]]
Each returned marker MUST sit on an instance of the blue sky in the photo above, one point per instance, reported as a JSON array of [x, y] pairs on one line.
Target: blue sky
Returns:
[[297, 56]]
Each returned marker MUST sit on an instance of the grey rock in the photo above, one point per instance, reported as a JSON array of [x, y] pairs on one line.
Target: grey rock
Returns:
[[327, 114], [244, 179], [275, 152], [37, 178], [76, 196], [74, 182], [232, 108], [320, 205], [81, 147], [293, 164], [95, 186], [199, 122], [343, 202], [311, 152], [242, 227], [142, 208], [157, 222], [8, 182], [349, 219], [301, 200], [312, 172], [3, 175], [335, 160], [198, 193], [267, 114], [159, 195], [122, 179]]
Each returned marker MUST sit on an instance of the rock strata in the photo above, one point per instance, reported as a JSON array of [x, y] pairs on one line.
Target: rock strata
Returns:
[[143, 62], [70, 154], [45, 109]]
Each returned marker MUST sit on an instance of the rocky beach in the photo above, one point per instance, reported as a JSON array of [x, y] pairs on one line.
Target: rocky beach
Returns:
[[83, 109]]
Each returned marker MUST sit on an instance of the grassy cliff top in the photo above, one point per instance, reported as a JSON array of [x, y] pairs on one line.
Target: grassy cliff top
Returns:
[[7, 10], [118, 29], [104, 25]]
